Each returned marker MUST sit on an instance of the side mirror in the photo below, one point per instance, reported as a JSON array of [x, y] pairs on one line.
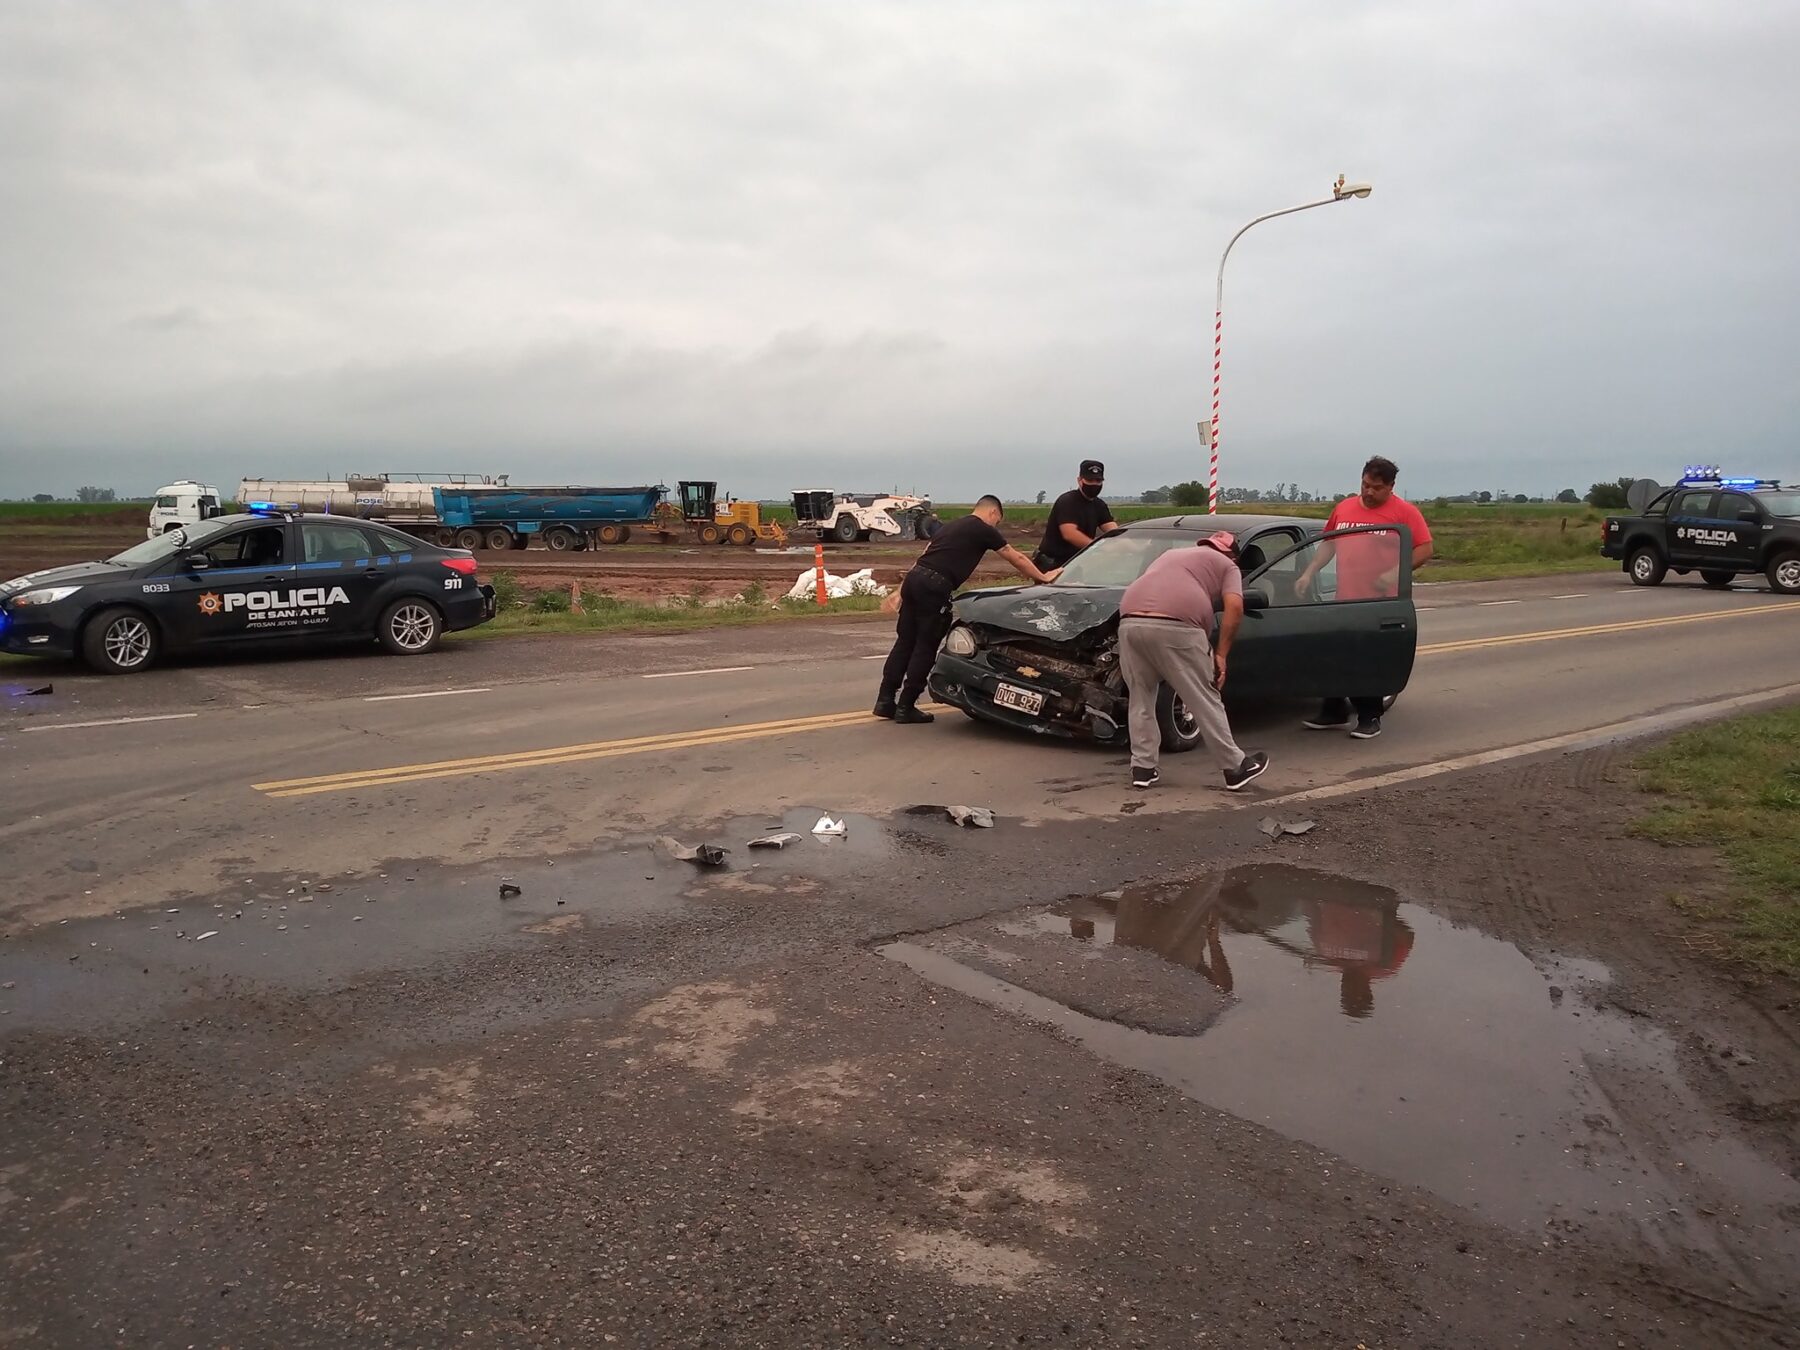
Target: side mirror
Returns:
[[1255, 600], [1750, 515], [197, 562]]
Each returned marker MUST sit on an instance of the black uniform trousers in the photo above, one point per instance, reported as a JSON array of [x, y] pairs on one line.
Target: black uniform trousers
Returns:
[[924, 619]]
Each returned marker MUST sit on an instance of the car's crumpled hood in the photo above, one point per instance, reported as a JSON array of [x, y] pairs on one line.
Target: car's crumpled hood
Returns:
[[75, 573], [1053, 613]]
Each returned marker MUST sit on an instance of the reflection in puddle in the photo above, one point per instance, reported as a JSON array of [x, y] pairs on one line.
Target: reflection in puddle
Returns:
[[1374, 1029]]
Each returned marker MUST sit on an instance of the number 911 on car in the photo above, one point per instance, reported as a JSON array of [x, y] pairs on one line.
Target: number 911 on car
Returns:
[[266, 578]]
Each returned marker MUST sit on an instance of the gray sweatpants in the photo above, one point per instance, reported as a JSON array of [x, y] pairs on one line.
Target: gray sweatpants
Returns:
[[1154, 652]]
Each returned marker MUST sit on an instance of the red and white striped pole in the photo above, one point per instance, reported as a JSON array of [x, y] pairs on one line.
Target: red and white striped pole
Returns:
[[1212, 482]]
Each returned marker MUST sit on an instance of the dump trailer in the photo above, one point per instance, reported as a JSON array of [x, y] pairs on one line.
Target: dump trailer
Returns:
[[564, 518]]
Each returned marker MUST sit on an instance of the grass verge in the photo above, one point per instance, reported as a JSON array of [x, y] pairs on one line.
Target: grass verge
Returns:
[[604, 614], [1736, 786]]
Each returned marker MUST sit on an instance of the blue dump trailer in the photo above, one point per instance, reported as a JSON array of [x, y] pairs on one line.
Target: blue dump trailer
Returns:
[[565, 518]]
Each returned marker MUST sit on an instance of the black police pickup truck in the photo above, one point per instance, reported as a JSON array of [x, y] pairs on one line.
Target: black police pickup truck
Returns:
[[1719, 527], [266, 577]]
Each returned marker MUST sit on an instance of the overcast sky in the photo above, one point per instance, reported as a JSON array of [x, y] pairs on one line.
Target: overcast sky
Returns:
[[947, 247]]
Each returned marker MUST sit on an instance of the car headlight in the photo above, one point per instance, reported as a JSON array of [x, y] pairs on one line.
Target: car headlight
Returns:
[[47, 595], [961, 641]]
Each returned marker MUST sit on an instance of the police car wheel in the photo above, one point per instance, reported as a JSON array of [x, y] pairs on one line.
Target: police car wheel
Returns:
[[1180, 729], [1647, 568], [1784, 574], [1718, 580], [119, 642], [411, 627]]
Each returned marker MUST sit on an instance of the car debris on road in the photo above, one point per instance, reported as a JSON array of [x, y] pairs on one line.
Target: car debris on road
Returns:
[[781, 840], [1276, 828], [707, 855]]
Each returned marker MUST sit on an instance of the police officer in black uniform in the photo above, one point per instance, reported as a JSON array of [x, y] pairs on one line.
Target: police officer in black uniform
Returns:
[[1078, 518], [955, 551]]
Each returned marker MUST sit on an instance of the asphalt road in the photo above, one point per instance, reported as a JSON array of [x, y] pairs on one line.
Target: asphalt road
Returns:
[[523, 748], [280, 1065]]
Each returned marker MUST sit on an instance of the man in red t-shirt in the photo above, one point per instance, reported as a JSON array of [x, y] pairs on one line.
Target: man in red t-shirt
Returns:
[[1368, 568]]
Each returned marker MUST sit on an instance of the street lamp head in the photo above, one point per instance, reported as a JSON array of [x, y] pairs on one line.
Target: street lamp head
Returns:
[[1341, 189]]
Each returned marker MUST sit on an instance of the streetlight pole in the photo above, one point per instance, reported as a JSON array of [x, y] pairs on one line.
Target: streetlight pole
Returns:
[[1340, 192]]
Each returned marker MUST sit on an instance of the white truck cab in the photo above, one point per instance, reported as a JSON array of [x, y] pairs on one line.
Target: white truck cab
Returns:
[[180, 504]]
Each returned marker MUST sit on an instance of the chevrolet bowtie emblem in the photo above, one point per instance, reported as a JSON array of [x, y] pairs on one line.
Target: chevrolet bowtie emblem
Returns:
[[1029, 672]]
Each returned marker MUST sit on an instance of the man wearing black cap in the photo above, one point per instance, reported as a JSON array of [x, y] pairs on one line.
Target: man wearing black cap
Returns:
[[1078, 518]]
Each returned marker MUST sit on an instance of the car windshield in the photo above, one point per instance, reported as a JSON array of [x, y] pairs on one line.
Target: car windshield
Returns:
[[1120, 558], [168, 545], [1786, 504]]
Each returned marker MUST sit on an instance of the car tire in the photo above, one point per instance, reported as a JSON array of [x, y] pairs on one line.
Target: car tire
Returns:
[[1784, 574], [1646, 567], [411, 626], [1180, 729], [1718, 580], [845, 531], [120, 641]]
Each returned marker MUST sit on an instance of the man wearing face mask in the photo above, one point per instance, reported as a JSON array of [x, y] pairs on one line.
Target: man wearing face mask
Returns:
[[1078, 518]]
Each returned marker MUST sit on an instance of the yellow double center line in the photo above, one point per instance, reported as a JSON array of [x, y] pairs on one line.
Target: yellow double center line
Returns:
[[691, 740]]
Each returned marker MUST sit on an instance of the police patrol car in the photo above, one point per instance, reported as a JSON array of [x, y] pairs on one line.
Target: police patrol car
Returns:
[[1720, 527], [270, 576]]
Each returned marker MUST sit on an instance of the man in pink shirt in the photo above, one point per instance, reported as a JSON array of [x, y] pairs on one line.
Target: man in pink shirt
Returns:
[[1166, 621], [1368, 568]]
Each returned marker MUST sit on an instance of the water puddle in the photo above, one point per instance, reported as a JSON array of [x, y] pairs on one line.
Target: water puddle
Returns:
[[298, 932], [1333, 1012]]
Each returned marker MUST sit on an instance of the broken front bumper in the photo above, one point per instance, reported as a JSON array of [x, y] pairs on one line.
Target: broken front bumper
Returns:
[[970, 683]]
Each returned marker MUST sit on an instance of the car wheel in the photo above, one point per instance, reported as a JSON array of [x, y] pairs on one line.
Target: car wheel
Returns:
[[119, 642], [845, 530], [1784, 574], [1718, 580], [1647, 568], [1180, 728], [411, 626]]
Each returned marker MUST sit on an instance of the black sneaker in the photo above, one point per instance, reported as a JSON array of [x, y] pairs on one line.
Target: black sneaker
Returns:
[[1323, 723], [1254, 763], [1367, 729], [885, 707], [1144, 778], [909, 715]]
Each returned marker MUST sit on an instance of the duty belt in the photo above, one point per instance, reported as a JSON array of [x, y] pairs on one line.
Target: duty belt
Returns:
[[933, 572]]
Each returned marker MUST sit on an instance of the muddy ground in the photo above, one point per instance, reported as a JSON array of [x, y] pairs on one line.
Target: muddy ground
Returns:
[[643, 1105]]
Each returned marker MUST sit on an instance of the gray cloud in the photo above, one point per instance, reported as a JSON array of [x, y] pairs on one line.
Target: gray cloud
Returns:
[[943, 246]]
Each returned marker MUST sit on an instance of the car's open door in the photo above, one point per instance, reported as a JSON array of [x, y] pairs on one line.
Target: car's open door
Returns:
[[1330, 617]]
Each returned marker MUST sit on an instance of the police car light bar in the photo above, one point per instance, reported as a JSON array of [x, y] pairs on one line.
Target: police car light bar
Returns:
[[1708, 475]]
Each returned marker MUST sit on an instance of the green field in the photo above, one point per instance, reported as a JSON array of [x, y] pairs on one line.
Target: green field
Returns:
[[74, 513], [522, 611], [1735, 786], [1473, 543]]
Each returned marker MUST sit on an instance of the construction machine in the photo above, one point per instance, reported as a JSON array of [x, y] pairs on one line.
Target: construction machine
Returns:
[[699, 512]]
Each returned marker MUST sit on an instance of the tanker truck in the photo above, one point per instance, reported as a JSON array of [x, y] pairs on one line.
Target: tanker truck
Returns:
[[406, 501]]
